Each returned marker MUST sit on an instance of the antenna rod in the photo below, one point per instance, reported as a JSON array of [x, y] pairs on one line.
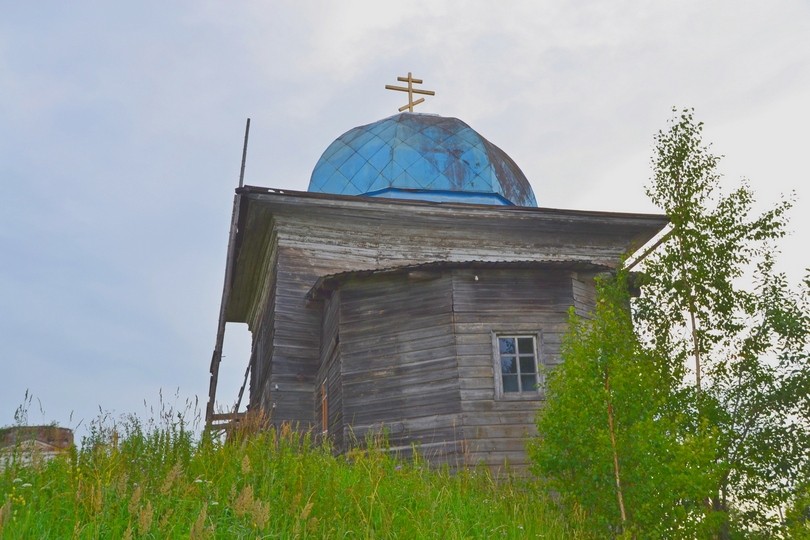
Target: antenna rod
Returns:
[[244, 154]]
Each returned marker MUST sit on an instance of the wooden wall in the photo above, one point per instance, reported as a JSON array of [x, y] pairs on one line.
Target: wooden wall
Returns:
[[330, 373], [262, 325], [506, 301], [296, 343], [584, 292], [429, 377], [415, 356], [399, 366]]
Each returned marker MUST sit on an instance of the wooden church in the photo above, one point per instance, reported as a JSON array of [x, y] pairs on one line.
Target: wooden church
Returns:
[[416, 288]]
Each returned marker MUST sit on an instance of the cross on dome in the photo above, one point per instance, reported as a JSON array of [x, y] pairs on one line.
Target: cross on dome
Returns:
[[411, 91]]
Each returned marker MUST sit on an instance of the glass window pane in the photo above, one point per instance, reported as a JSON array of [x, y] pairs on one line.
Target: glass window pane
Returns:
[[508, 364], [526, 345], [528, 382], [510, 383], [527, 364], [506, 345]]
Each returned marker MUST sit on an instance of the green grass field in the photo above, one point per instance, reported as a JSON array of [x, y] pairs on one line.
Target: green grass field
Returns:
[[164, 482]]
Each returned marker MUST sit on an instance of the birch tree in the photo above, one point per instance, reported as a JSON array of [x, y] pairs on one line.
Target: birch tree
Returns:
[[693, 419], [715, 303]]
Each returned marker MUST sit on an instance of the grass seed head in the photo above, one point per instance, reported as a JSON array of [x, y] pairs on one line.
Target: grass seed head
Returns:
[[199, 529], [244, 502], [171, 478], [145, 517], [135, 500], [5, 514]]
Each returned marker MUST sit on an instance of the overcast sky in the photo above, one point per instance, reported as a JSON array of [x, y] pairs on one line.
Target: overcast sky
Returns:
[[121, 129]]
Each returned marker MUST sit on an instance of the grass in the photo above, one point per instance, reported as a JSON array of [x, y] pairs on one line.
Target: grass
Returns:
[[132, 481]]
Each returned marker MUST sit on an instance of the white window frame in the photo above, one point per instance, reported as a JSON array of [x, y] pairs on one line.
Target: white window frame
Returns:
[[537, 392]]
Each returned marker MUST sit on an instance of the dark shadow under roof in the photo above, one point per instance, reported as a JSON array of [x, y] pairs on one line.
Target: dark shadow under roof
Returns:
[[326, 284]]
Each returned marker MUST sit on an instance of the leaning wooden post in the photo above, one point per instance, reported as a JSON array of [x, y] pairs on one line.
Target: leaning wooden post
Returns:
[[216, 357]]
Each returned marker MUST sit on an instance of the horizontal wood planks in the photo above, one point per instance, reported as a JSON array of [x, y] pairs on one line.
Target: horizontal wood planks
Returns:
[[296, 343], [584, 293], [329, 377], [262, 327], [398, 359], [490, 302], [411, 353], [353, 233]]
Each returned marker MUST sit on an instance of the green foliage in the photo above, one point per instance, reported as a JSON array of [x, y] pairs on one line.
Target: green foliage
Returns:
[[711, 387], [604, 363], [134, 481], [798, 514], [751, 340]]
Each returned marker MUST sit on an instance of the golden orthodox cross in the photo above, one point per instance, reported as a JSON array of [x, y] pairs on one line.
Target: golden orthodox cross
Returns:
[[411, 91]]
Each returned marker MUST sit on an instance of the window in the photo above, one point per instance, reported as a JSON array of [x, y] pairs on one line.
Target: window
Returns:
[[517, 363]]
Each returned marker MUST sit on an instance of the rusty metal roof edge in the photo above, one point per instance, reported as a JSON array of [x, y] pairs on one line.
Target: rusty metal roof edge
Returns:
[[258, 190], [327, 283]]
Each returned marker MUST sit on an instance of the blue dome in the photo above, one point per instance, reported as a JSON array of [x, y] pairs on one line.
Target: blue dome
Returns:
[[421, 156]]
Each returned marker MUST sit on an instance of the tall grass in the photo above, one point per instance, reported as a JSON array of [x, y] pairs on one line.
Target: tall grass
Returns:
[[133, 481]]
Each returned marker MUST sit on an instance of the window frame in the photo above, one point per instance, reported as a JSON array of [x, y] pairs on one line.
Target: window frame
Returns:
[[536, 393]]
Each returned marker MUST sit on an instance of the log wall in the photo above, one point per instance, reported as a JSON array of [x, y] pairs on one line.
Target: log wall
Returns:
[[410, 354], [399, 366], [329, 374], [504, 302]]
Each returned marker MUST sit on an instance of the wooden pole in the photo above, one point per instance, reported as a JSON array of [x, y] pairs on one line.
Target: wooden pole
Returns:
[[216, 357], [650, 249], [242, 389], [244, 154]]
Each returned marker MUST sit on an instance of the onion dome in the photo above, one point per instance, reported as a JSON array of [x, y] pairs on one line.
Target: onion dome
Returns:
[[421, 156]]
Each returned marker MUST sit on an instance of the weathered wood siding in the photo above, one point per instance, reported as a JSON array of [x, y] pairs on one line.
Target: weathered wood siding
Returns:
[[399, 366], [353, 233], [329, 373], [584, 289], [262, 325], [504, 302], [296, 341], [434, 338], [509, 300]]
